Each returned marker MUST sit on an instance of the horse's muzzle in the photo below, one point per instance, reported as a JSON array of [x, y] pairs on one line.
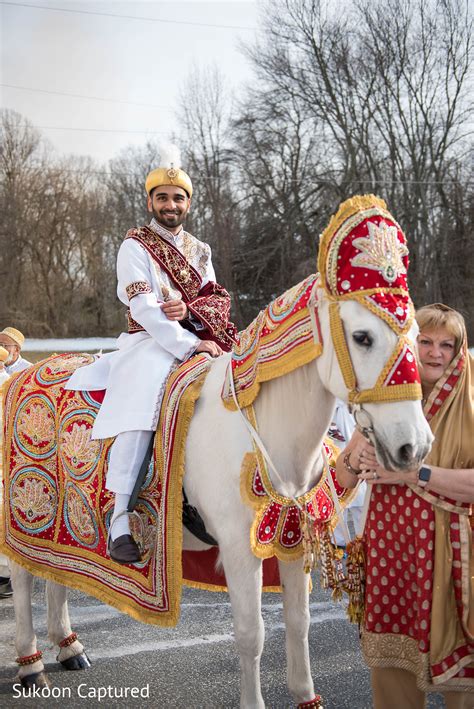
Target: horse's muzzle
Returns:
[[407, 456]]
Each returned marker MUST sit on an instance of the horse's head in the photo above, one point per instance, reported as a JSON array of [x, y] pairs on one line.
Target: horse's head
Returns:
[[399, 429], [368, 330]]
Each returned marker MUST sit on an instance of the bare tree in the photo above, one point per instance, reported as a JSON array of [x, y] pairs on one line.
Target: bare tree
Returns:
[[362, 96], [282, 192], [125, 187], [53, 259], [21, 162], [205, 110], [385, 86]]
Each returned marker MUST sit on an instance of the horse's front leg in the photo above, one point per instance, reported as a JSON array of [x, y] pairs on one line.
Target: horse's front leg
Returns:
[[295, 584], [31, 669], [243, 573], [71, 651]]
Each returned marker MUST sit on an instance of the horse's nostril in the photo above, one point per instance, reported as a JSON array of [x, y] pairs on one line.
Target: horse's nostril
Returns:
[[406, 453]]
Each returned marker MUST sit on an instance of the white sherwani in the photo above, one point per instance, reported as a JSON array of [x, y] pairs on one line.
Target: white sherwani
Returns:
[[135, 375]]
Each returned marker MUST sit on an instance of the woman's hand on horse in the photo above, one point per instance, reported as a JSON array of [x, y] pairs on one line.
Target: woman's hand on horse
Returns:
[[364, 453], [175, 309], [378, 474], [371, 470], [362, 456], [210, 347], [349, 464]]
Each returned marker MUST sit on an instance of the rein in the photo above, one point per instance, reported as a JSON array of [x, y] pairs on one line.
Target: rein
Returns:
[[397, 381], [258, 441], [356, 396], [312, 304]]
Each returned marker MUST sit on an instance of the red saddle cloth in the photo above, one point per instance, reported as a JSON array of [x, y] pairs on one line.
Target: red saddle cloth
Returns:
[[57, 510]]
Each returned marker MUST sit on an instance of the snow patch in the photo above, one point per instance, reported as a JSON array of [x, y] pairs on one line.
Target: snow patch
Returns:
[[74, 344]]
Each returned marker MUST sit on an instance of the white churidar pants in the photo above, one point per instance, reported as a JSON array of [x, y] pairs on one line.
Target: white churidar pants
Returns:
[[126, 457]]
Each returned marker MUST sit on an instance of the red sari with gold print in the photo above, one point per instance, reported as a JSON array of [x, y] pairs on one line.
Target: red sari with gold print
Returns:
[[419, 595]]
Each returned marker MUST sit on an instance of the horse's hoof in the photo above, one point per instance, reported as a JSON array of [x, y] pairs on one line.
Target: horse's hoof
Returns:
[[77, 662], [37, 680]]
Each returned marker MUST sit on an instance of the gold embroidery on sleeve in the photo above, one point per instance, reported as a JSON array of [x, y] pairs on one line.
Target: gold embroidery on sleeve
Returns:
[[137, 288]]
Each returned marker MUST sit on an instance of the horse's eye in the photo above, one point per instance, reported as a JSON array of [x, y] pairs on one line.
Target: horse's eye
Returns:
[[362, 338]]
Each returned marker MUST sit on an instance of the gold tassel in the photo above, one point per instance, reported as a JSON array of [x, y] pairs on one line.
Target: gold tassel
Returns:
[[332, 570], [318, 549], [355, 582], [309, 542]]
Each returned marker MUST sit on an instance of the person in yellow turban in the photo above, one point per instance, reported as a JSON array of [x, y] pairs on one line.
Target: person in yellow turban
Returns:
[[13, 340], [174, 309]]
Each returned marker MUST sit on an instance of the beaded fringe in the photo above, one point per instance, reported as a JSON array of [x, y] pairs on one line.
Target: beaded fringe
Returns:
[[355, 582], [319, 551]]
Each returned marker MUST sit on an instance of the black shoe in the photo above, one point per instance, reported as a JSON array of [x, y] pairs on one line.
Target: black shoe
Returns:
[[6, 589], [124, 550]]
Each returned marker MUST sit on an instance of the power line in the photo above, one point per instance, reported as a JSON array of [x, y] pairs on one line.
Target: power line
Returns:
[[92, 98], [127, 17], [111, 173], [104, 130]]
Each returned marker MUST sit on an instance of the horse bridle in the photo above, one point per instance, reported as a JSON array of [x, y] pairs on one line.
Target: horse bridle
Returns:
[[381, 392], [356, 396]]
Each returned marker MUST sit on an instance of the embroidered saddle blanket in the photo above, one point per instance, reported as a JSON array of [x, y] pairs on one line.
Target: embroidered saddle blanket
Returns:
[[57, 511]]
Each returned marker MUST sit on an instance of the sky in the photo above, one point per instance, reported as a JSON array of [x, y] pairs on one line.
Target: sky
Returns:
[[139, 65]]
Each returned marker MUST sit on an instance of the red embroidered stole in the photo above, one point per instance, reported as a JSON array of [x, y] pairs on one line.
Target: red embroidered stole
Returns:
[[171, 260], [209, 304]]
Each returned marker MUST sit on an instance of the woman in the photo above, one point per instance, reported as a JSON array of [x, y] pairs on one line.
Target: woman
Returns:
[[418, 632]]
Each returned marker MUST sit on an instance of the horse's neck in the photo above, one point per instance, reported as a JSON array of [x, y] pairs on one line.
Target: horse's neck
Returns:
[[293, 414]]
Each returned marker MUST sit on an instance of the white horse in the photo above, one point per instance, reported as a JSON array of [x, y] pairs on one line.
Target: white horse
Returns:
[[293, 414]]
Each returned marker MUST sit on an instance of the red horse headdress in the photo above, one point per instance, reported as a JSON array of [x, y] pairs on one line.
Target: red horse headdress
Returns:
[[363, 256]]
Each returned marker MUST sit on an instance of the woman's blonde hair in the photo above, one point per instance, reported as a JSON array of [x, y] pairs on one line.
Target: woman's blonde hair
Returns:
[[438, 315]]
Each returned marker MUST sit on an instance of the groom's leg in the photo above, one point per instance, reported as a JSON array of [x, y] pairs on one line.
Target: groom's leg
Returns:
[[126, 456]]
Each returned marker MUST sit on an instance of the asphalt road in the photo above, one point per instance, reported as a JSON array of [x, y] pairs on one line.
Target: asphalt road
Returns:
[[192, 666]]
